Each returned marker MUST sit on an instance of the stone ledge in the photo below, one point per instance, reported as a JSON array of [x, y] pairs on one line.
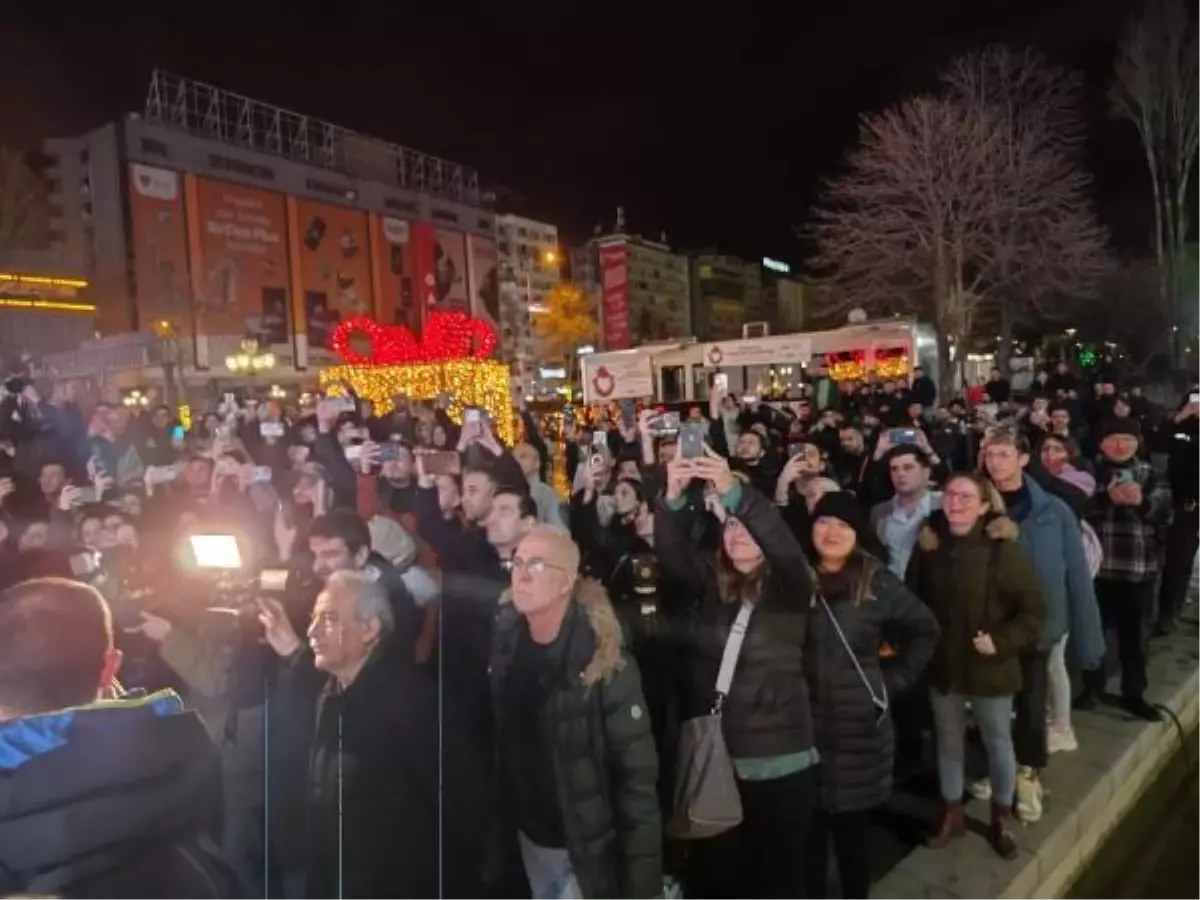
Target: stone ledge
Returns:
[[1087, 794]]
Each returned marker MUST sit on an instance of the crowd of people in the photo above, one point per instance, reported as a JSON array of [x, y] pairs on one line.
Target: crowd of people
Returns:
[[424, 672]]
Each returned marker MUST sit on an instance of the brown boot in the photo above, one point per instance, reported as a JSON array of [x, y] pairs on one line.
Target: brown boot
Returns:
[[954, 825], [1000, 836]]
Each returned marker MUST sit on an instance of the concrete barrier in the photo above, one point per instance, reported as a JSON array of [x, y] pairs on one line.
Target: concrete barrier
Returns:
[[1088, 792]]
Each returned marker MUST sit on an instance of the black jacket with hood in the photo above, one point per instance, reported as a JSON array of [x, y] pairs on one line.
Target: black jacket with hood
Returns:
[[117, 799]]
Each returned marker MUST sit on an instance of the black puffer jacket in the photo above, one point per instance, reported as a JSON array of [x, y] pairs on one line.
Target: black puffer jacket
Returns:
[[767, 712], [853, 737], [117, 799], [605, 765]]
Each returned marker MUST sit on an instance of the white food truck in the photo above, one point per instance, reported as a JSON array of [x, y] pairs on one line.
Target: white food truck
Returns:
[[680, 371]]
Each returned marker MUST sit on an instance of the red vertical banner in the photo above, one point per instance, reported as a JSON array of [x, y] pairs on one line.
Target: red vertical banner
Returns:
[[424, 242], [614, 275]]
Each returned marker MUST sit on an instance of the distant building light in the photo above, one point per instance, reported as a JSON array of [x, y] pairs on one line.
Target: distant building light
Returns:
[[586, 349], [558, 372], [537, 308], [776, 265]]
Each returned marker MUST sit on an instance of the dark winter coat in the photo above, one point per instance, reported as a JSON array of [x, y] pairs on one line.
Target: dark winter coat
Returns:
[[767, 711], [116, 799], [605, 765], [854, 740], [378, 824], [978, 582]]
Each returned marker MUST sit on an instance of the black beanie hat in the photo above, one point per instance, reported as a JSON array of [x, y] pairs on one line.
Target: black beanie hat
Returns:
[[840, 505], [1118, 425]]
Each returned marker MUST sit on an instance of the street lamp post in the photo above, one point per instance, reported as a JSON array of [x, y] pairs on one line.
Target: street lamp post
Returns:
[[249, 360]]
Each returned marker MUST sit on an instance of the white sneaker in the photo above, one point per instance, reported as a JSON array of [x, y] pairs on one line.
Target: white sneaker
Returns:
[[1061, 739], [1029, 797], [980, 788]]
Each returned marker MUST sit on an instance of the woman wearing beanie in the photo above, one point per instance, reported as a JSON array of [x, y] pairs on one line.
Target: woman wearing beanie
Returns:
[[972, 573], [858, 604]]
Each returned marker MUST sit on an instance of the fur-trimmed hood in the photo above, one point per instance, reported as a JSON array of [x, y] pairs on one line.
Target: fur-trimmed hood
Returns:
[[601, 618], [997, 528]]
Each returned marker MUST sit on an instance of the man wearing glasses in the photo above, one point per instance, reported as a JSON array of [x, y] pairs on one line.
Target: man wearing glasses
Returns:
[[578, 768]]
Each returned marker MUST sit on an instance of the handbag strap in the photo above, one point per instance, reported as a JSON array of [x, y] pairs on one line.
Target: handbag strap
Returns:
[[733, 648], [882, 703]]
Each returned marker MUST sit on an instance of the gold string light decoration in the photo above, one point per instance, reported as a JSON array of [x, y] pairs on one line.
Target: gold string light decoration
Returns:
[[466, 382]]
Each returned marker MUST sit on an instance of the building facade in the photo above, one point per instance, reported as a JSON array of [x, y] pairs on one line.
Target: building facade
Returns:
[[529, 261], [727, 292], [214, 217], [645, 290]]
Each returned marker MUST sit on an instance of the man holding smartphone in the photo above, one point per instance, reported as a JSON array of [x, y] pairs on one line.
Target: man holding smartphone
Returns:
[[1133, 502]]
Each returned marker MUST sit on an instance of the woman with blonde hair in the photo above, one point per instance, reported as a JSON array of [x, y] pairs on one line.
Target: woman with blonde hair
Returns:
[[969, 569]]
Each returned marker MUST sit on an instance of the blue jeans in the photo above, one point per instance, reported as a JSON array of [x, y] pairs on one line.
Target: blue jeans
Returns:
[[993, 715]]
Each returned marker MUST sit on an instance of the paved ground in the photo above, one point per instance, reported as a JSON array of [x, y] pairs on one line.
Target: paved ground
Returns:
[[1087, 792]]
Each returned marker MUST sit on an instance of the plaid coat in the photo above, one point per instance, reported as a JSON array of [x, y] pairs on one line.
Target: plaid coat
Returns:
[[1128, 534]]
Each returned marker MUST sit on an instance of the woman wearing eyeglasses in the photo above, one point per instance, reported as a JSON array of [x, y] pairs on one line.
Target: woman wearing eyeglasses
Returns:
[[766, 719], [970, 570], [859, 606]]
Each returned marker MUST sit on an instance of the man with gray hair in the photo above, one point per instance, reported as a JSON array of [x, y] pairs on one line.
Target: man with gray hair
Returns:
[[374, 820]]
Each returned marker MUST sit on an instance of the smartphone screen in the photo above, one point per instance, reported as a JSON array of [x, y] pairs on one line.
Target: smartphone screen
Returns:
[[471, 416], [691, 440], [903, 435], [177, 433], [720, 384], [442, 462], [1193, 398]]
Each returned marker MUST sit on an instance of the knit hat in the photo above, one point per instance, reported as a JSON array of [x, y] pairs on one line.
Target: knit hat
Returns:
[[840, 505], [1117, 425]]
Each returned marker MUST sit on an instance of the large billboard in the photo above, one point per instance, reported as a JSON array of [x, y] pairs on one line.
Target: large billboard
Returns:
[[614, 278], [484, 281], [335, 267], [160, 252], [243, 266], [396, 252], [450, 270]]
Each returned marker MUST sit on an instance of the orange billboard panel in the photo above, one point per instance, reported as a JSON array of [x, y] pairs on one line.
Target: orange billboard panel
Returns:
[[158, 235], [243, 275], [335, 266], [397, 254]]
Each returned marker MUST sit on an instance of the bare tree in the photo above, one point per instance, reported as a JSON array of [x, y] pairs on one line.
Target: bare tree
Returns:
[[953, 205], [1062, 251], [24, 203], [1155, 87]]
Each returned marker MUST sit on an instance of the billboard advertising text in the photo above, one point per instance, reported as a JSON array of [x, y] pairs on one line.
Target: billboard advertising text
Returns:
[[160, 264], [484, 279], [614, 276], [243, 270], [450, 270], [396, 252], [335, 267]]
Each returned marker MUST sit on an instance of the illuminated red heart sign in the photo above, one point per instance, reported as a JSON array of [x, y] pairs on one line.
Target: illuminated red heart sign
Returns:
[[447, 336]]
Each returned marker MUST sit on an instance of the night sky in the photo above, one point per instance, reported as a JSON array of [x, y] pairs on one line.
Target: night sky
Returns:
[[717, 129]]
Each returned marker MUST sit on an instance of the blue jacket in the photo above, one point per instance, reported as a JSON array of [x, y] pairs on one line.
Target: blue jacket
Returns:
[[1052, 542]]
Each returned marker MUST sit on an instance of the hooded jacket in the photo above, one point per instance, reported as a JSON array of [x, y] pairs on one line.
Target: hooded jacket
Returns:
[[116, 799], [1050, 536], [605, 765], [977, 582]]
